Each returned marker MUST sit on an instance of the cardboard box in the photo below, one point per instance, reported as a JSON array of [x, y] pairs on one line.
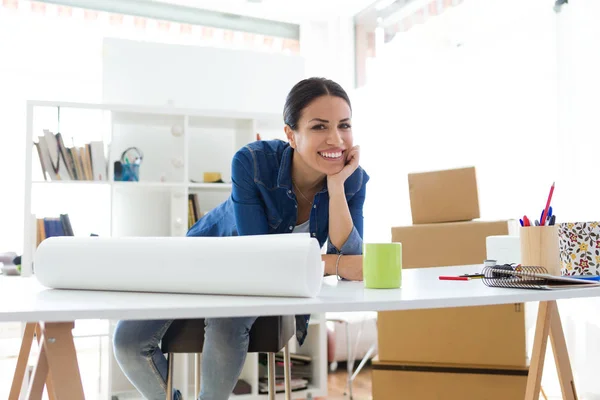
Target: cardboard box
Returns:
[[482, 335], [443, 196], [486, 335], [451, 243], [410, 382]]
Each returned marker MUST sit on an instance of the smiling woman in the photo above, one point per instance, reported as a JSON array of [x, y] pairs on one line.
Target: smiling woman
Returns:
[[317, 117], [319, 163]]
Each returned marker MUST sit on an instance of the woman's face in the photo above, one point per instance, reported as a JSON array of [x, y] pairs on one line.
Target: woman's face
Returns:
[[323, 136]]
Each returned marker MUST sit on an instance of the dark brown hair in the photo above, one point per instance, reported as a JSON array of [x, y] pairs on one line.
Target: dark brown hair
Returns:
[[304, 92]]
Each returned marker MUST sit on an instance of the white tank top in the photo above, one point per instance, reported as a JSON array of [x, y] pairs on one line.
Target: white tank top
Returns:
[[302, 227]]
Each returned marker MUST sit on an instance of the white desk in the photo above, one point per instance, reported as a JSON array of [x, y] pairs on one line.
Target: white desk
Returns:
[[23, 299]]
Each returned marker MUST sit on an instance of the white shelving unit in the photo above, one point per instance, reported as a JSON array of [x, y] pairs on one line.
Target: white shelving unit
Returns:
[[178, 145]]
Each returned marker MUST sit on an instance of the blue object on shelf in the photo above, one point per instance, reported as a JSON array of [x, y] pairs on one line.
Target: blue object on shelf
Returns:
[[127, 172]]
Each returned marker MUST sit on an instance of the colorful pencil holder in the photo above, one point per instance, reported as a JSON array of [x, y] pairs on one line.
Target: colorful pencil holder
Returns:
[[539, 247], [579, 247]]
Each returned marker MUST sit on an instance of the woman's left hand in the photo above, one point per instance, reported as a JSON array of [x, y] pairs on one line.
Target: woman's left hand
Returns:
[[352, 269], [352, 159]]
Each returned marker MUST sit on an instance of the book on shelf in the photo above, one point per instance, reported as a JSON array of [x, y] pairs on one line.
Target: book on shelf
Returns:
[[295, 384], [295, 358], [53, 226], [82, 163], [194, 213], [296, 371], [300, 366]]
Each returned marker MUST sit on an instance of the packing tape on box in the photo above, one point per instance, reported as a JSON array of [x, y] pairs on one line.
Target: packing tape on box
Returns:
[[287, 265], [505, 249]]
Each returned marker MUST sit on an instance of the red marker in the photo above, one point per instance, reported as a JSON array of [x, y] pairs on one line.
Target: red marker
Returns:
[[454, 278], [543, 221]]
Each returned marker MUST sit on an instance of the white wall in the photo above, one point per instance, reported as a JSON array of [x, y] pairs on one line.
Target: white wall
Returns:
[[490, 103], [328, 47], [197, 77], [578, 86]]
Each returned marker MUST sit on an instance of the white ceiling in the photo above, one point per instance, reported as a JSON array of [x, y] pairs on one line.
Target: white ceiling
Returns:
[[294, 11]]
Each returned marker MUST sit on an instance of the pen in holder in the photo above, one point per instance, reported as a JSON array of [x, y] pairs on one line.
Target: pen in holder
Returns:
[[128, 168], [539, 247]]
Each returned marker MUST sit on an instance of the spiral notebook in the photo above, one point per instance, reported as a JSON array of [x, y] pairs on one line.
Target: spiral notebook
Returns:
[[531, 277]]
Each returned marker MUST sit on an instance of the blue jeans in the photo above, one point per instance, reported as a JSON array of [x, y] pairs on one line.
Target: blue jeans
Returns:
[[137, 351]]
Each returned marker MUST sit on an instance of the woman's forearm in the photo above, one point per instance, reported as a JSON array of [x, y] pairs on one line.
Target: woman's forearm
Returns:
[[340, 220], [350, 267]]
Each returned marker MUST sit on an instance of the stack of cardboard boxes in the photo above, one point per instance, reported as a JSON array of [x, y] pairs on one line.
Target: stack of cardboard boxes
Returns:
[[451, 353]]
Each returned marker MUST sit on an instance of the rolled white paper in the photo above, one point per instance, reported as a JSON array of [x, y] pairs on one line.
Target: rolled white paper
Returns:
[[264, 265]]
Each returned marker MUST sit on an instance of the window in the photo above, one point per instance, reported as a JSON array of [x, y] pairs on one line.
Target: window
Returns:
[[379, 24]]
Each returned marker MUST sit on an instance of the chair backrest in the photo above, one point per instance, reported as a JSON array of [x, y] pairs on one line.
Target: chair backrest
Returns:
[[267, 335]]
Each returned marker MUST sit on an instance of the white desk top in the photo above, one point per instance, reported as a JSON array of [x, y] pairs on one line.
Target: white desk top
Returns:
[[24, 299]]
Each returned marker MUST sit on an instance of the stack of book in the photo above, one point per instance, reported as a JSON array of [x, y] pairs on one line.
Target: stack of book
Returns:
[[59, 162], [301, 372], [296, 384], [53, 226]]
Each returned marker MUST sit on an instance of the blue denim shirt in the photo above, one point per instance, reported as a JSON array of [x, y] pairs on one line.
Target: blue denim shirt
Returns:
[[262, 202]]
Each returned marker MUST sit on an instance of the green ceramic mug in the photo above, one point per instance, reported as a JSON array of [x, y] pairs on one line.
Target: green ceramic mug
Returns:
[[382, 265]]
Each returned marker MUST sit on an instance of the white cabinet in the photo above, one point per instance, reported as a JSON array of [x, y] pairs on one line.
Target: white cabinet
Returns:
[[178, 146]]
